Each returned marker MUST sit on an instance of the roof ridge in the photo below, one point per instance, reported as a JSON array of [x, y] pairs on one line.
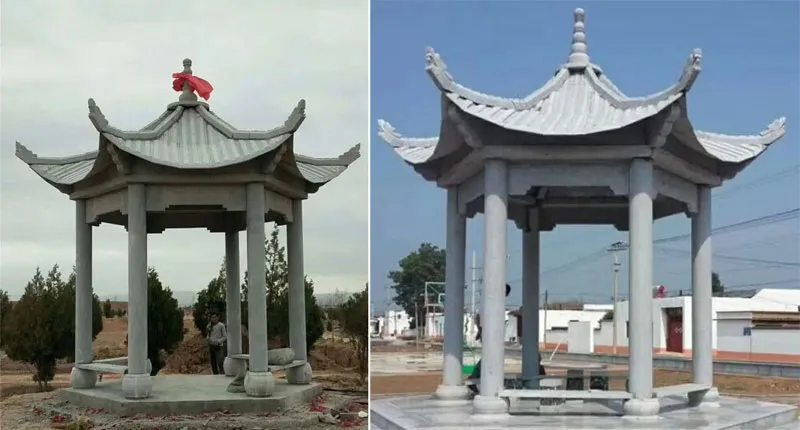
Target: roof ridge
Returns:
[[175, 111]]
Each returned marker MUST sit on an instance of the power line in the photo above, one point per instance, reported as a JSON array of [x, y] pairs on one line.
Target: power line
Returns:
[[771, 240], [739, 226], [759, 181], [793, 282], [733, 258]]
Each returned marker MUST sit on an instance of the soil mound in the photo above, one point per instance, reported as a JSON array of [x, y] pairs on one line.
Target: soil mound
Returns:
[[190, 357], [331, 355]]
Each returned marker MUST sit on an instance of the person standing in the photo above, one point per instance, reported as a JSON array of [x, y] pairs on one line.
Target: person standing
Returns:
[[217, 338]]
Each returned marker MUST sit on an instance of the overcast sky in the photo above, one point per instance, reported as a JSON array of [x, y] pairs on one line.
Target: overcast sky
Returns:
[[260, 56]]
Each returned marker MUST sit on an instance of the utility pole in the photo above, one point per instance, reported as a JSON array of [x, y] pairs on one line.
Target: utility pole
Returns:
[[416, 321], [474, 282], [616, 300], [545, 320], [614, 249]]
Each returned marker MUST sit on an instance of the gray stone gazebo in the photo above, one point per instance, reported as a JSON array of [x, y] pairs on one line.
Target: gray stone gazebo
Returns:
[[575, 151], [189, 168]]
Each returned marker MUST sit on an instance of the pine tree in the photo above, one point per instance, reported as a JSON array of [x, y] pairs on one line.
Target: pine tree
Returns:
[[107, 310], [5, 309], [277, 277], [30, 330], [355, 324], [164, 321]]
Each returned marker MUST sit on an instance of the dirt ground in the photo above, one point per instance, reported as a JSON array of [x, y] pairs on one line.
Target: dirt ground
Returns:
[[378, 346], [332, 361], [44, 411]]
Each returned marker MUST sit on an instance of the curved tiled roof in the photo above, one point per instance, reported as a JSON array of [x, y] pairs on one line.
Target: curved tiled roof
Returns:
[[578, 100], [319, 171], [60, 171], [188, 135], [738, 149], [413, 150]]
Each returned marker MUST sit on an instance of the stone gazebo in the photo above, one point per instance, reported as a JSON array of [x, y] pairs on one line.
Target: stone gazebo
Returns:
[[191, 169], [575, 151]]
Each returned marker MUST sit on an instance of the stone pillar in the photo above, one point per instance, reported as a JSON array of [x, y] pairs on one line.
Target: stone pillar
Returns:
[[297, 296], [259, 381], [137, 384], [640, 278], [702, 358], [494, 289], [452, 387], [530, 300], [83, 298], [233, 304]]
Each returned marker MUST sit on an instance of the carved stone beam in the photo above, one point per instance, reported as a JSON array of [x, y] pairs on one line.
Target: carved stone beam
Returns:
[[122, 161], [270, 162], [658, 136]]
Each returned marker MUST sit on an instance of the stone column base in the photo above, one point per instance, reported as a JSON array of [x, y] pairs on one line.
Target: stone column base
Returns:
[[259, 384], [641, 408], [137, 386], [300, 375], [708, 398], [489, 405], [234, 367], [452, 392], [83, 378]]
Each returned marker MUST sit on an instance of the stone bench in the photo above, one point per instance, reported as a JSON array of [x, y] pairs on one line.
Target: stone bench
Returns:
[[565, 394], [103, 367], [272, 367], [298, 372], [110, 365], [115, 360], [679, 390]]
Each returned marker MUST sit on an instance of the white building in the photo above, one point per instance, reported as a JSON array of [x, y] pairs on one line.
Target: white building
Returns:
[[395, 323], [765, 327]]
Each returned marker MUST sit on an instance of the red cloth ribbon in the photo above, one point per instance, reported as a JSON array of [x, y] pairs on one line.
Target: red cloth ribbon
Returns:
[[198, 85]]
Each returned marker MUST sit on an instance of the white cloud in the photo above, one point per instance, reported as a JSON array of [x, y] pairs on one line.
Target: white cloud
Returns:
[[261, 57]]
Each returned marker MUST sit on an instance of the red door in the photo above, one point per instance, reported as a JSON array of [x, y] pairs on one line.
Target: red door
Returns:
[[675, 334]]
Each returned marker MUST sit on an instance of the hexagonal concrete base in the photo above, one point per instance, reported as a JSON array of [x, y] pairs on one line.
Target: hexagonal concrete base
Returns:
[[190, 394], [425, 412]]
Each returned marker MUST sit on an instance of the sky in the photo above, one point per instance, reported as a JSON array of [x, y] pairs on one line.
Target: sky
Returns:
[[751, 70], [261, 57]]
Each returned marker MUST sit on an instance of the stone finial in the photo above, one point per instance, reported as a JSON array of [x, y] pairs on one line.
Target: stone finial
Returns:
[[579, 56], [187, 95], [187, 66]]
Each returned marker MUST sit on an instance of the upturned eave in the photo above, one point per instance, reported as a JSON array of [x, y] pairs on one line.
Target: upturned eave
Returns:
[[737, 149], [318, 171]]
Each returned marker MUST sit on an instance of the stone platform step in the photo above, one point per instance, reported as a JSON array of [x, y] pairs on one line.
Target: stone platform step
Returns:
[[794, 425]]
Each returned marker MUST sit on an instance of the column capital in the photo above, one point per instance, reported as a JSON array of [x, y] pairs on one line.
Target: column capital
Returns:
[[530, 220]]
